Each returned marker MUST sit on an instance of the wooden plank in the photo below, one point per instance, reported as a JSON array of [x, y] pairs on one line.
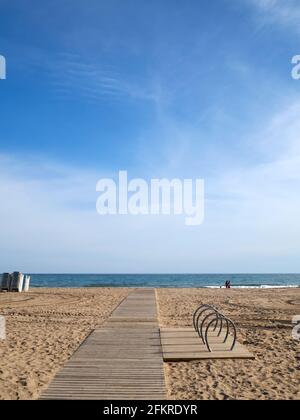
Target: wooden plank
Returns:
[[184, 344], [121, 360]]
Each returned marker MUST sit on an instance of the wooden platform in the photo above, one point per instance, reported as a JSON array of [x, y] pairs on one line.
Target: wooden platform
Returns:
[[184, 344], [120, 360]]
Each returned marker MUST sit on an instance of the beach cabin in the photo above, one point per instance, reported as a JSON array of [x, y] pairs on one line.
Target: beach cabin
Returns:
[[5, 282], [26, 284], [17, 280]]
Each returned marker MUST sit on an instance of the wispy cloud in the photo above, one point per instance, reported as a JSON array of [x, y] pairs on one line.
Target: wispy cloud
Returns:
[[283, 12], [93, 80], [71, 74], [49, 220]]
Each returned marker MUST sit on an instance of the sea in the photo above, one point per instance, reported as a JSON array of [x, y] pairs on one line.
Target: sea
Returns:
[[262, 281]]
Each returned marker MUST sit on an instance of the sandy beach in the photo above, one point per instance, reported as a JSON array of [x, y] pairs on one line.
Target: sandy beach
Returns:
[[45, 327], [264, 325]]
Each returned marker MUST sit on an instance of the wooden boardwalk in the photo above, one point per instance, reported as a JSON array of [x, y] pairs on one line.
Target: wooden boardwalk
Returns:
[[120, 360]]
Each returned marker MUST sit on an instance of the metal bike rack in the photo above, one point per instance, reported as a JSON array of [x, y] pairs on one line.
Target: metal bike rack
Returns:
[[212, 312], [199, 311], [207, 316]]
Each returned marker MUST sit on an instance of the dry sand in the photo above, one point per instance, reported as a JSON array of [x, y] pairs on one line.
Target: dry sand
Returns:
[[45, 327], [264, 321]]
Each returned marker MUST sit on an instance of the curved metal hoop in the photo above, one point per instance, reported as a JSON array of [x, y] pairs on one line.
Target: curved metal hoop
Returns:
[[212, 311], [229, 321], [218, 318], [206, 335], [196, 313], [228, 324]]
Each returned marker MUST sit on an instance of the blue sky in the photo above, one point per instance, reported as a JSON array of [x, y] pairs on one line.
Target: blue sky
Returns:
[[167, 88]]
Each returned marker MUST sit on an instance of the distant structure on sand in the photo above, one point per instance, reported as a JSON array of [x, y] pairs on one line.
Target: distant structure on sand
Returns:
[[15, 282]]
